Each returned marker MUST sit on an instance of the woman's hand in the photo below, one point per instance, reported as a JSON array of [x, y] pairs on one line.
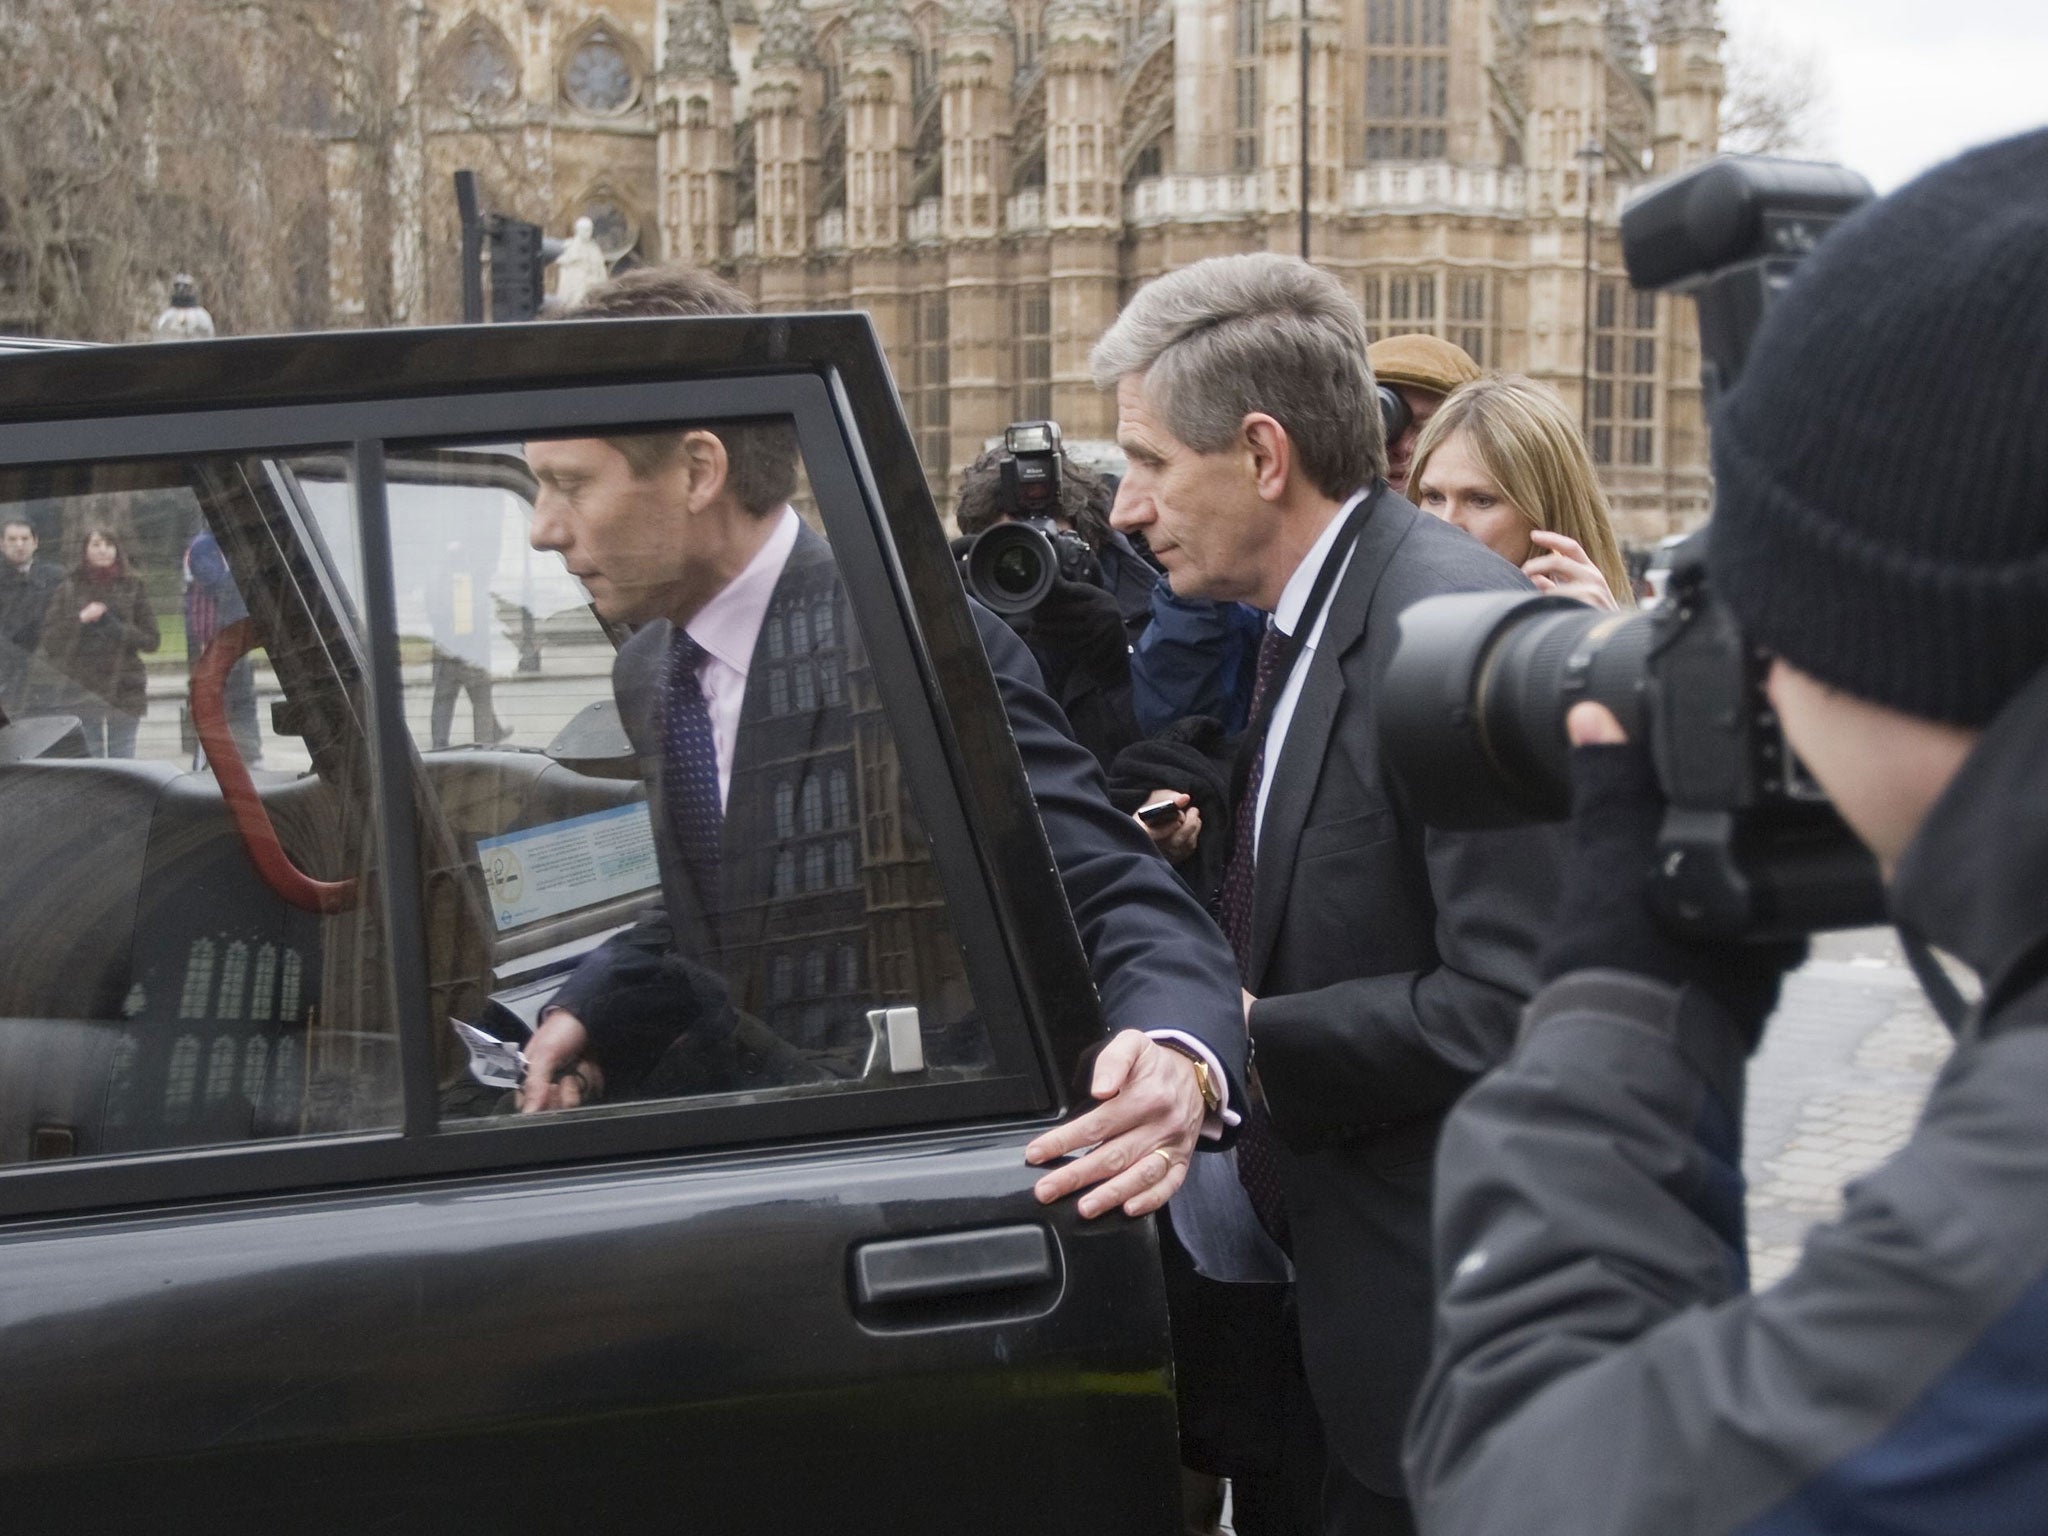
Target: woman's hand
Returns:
[[1562, 566], [92, 613], [1177, 839]]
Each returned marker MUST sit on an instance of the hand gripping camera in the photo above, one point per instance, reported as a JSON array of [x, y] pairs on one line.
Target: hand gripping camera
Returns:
[[1013, 565], [1473, 706]]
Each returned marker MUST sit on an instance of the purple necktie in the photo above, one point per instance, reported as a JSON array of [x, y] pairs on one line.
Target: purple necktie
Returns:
[[1258, 1163], [689, 764]]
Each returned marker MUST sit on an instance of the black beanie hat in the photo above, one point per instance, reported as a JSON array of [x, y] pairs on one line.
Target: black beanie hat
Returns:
[[1881, 467]]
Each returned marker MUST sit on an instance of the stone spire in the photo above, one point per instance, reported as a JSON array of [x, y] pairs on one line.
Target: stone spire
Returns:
[[786, 37], [699, 42]]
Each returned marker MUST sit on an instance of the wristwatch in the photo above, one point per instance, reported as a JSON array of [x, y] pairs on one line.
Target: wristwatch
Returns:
[[1212, 1097]]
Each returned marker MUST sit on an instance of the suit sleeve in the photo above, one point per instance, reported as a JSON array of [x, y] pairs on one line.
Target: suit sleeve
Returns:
[[1363, 1054], [1158, 961]]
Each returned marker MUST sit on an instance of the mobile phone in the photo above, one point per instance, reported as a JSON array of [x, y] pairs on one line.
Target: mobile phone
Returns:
[[1164, 814]]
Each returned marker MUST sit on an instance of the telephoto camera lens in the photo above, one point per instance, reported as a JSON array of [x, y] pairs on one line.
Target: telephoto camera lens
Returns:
[[1011, 567], [1472, 709]]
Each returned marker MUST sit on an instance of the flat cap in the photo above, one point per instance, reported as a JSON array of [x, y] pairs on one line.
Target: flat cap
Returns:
[[1422, 362]]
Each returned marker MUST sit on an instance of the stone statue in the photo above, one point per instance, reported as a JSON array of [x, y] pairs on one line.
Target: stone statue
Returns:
[[186, 319], [581, 266]]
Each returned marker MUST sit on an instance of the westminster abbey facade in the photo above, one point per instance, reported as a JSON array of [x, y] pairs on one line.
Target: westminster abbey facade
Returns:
[[990, 179]]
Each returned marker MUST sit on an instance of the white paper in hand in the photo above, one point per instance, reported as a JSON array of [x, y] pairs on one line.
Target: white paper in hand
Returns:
[[491, 1061]]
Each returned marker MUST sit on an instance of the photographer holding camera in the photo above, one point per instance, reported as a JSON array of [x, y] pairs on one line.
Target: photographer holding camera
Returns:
[[1882, 534], [1038, 549]]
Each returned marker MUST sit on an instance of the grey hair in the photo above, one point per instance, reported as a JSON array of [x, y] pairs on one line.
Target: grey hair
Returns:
[[1225, 337]]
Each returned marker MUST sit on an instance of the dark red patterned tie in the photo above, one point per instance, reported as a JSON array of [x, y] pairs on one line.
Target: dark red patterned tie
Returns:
[[1258, 1165]]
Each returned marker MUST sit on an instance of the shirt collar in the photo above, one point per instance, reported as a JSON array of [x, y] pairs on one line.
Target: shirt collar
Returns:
[[1294, 596], [730, 623]]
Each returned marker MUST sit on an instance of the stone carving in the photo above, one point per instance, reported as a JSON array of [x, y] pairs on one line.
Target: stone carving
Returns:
[[881, 26], [581, 266], [699, 43], [786, 37]]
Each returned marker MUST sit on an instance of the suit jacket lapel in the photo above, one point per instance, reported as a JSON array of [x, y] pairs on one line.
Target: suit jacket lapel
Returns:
[[1315, 714]]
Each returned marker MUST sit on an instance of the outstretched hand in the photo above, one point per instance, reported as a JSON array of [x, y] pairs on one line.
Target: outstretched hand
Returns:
[[1142, 1132]]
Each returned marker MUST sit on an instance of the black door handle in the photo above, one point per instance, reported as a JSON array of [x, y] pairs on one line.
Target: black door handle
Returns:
[[946, 1265]]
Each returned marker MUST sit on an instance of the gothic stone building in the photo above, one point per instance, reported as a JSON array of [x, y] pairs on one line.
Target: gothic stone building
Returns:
[[989, 179]]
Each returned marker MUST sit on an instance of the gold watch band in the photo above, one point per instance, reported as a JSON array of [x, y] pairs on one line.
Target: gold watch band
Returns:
[[1212, 1097]]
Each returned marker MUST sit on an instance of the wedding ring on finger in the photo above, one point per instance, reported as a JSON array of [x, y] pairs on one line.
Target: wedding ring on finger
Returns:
[[1167, 1156]]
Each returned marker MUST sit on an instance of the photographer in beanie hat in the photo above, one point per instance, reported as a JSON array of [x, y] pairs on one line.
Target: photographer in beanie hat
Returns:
[[1881, 531]]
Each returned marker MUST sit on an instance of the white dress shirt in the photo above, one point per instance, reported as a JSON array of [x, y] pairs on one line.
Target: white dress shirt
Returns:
[[728, 627], [1293, 599]]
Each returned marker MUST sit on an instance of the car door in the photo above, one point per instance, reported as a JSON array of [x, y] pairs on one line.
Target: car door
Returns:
[[276, 1249]]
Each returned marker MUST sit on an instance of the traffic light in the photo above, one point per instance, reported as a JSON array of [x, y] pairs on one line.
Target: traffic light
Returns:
[[518, 268]]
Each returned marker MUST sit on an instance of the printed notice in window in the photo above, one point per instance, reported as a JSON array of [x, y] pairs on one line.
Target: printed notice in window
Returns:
[[546, 871]]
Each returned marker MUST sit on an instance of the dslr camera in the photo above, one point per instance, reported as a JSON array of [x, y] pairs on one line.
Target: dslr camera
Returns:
[[1473, 706], [1012, 566]]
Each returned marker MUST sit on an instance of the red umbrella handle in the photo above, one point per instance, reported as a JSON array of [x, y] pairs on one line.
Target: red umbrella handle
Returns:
[[252, 820]]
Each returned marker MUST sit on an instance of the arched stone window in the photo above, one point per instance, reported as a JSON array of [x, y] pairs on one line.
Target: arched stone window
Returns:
[[478, 70], [601, 71]]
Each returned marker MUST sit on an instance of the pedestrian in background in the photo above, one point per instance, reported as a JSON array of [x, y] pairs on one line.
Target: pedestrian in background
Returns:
[[97, 629]]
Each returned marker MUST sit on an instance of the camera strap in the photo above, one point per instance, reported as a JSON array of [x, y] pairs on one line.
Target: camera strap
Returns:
[[1254, 737]]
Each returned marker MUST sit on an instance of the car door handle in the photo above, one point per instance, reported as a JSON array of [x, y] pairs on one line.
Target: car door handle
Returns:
[[945, 1265]]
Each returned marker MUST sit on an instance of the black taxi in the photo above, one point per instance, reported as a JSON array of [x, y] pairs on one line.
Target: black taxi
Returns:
[[277, 1251]]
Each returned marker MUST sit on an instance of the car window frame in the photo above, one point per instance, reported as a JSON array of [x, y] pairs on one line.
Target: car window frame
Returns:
[[190, 401]]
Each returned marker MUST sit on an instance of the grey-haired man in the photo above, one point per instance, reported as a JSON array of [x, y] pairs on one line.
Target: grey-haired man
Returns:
[[1384, 963]]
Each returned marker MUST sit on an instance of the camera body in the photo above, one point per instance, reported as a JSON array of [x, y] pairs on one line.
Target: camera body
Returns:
[[1472, 722], [1473, 707], [1012, 566]]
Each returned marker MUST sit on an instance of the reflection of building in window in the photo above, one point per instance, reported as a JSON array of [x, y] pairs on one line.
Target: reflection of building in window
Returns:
[[821, 622], [778, 692], [180, 1079], [288, 1001], [234, 982], [847, 965], [777, 647], [842, 809], [814, 806], [263, 991], [197, 998], [830, 681], [1623, 413], [814, 973], [255, 1061], [1407, 79], [220, 1069], [814, 867], [806, 687], [842, 864], [785, 873], [287, 1073], [785, 809], [799, 633]]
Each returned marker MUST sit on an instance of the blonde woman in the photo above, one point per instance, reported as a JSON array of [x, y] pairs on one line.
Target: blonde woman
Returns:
[[1503, 459]]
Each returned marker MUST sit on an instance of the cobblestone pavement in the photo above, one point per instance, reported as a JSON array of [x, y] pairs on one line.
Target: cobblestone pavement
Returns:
[[1845, 1066]]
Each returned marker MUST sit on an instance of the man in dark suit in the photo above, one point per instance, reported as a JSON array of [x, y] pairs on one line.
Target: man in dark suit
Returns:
[[687, 536], [1384, 963]]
